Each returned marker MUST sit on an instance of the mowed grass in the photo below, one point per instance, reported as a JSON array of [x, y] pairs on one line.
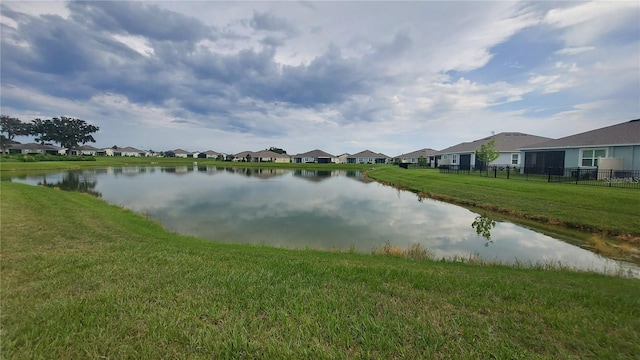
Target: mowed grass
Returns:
[[610, 211], [84, 279]]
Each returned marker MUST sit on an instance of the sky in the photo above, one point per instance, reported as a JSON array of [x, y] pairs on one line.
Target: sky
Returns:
[[390, 77]]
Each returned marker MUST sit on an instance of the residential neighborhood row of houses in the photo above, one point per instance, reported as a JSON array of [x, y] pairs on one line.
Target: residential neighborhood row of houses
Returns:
[[612, 147]]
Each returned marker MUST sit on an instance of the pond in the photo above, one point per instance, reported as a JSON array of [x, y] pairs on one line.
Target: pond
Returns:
[[341, 210]]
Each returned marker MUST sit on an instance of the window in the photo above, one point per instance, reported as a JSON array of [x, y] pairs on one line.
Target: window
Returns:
[[455, 159], [590, 157], [515, 159]]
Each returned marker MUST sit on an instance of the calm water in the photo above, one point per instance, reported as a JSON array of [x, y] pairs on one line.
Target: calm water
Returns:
[[315, 209]]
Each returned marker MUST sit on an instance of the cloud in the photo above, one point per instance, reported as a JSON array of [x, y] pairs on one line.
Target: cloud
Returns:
[[339, 76]]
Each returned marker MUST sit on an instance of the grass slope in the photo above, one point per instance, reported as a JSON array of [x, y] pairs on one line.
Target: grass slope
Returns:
[[613, 211], [83, 279]]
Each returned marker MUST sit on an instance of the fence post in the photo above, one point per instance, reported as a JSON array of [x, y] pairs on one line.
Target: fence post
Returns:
[[508, 167], [610, 177], [577, 176], [549, 172]]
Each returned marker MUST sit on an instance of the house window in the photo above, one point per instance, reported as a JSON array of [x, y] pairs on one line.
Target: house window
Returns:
[[590, 157], [454, 159], [515, 159]]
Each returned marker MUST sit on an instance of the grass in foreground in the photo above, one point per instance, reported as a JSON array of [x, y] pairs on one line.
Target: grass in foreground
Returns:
[[83, 279]]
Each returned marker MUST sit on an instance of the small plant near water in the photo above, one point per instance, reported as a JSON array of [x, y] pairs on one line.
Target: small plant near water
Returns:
[[414, 251]]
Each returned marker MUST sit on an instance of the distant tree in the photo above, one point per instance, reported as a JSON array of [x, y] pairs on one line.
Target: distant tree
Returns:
[[277, 150], [68, 132], [115, 147], [487, 153], [12, 127], [248, 157], [422, 162], [220, 157]]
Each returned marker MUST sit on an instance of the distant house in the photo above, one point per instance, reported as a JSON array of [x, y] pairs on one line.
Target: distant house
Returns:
[[368, 157], [615, 147], [209, 154], [87, 150], [130, 151], [507, 144], [342, 159], [244, 156], [271, 156], [35, 148], [413, 157], [182, 153], [315, 156]]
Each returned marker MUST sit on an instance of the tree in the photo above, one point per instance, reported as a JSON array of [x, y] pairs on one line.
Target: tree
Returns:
[[248, 157], [487, 153], [12, 127], [68, 132], [422, 162], [277, 150]]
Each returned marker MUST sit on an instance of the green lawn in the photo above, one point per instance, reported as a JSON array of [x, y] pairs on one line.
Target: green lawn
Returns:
[[612, 211], [83, 279]]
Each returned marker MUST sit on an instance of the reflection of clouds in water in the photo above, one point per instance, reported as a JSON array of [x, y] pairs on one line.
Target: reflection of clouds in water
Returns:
[[280, 209]]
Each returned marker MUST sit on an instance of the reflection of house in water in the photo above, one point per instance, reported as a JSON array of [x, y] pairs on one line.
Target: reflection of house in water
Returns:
[[359, 176], [129, 170], [314, 175]]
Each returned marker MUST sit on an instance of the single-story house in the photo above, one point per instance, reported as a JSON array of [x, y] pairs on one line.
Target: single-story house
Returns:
[[270, 156], [35, 148], [314, 156], [88, 150], [413, 157], [130, 151], [342, 159], [368, 157], [244, 156], [182, 153], [507, 144], [209, 154], [615, 147]]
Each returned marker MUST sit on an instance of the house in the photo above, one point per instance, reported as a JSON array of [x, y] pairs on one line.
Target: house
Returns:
[[130, 151], [209, 154], [271, 156], [412, 157], [182, 153], [35, 148], [367, 157], [87, 150], [342, 159], [244, 156], [314, 156], [615, 147], [507, 144]]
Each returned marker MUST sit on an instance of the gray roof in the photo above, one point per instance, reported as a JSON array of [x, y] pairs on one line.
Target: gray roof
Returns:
[[129, 149], [416, 154], [368, 154], [34, 146], [180, 151], [504, 142], [314, 154], [89, 148], [626, 133], [269, 154], [211, 152]]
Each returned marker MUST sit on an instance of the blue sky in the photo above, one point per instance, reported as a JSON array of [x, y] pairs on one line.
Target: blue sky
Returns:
[[392, 77]]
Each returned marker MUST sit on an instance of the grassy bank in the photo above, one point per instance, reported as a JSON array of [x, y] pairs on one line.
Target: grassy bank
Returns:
[[83, 279], [608, 211]]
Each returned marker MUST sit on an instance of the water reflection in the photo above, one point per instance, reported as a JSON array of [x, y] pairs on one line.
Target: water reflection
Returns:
[[315, 209], [483, 224], [73, 182]]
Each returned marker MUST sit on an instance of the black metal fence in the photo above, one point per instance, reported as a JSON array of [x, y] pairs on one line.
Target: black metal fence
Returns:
[[580, 176]]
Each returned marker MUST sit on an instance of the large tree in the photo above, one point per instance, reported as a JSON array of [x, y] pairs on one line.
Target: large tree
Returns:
[[12, 127], [68, 132]]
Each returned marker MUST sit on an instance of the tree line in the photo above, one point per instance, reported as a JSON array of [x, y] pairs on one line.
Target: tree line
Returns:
[[66, 131]]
